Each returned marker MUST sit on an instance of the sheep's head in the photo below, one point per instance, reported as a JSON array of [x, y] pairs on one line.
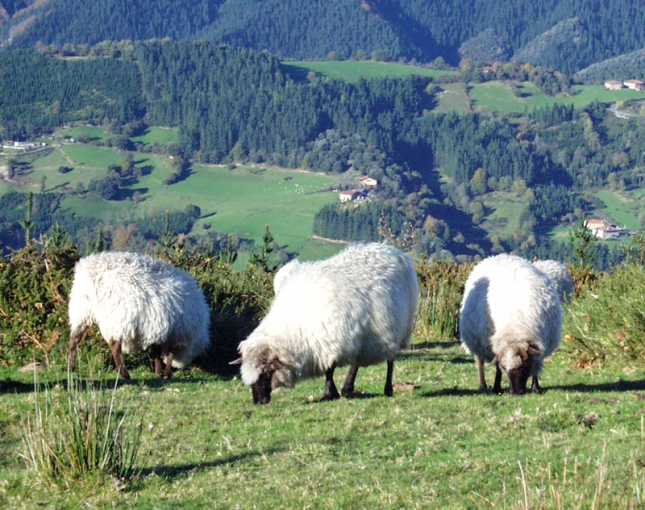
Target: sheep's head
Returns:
[[264, 370], [518, 361]]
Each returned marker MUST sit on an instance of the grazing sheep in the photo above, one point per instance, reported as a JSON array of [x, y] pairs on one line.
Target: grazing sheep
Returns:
[[138, 303], [560, 276], [355, 308], [511, 316]]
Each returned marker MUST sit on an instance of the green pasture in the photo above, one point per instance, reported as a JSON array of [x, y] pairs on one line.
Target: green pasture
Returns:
[[453, 97], [498, 96], [438, 443], [505, 210], [623, 208], [353, 70], [158, 135], [245, 200], [88, 132]]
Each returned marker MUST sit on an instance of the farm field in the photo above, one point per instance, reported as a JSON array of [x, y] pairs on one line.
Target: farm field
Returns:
[[498, 96], [438, 443], [241, 201], [352, 70]]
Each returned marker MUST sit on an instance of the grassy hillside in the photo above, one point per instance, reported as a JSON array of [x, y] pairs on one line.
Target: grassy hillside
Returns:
[[240, 201], [352, 70], [438, 443]]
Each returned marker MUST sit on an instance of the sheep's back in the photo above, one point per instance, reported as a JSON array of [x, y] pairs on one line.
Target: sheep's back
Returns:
[[506, 297]]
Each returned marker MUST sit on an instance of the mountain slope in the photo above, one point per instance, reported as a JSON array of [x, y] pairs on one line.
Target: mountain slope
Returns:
[[564, 34]]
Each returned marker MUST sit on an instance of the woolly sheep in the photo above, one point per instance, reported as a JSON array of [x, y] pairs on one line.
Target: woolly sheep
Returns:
[[511, 316], [138, 303], [560, 276], [355, 308]]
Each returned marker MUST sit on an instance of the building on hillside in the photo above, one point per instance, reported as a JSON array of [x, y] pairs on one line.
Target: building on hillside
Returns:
[[368, 182], [352, 195], [604, 230], [635, 84], [613, 85]]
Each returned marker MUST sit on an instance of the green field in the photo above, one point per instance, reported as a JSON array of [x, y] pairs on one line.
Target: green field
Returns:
[[623, 208], [438, 443], [158, 135], [498, 96], [506, 208], [241, 201], [352, 70]]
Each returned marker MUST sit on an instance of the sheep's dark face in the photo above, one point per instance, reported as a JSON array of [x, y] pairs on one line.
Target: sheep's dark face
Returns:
[[518, 364], [262, 388]]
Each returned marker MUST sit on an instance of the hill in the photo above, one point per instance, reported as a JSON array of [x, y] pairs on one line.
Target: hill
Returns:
[[566, 35]]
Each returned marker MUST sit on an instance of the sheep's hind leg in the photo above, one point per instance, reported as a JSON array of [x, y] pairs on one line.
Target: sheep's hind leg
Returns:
[[480, 371], [117, 354], [331, 393], [389, 390], [155, 352], [75, 338], [348, 386], [168, 372]]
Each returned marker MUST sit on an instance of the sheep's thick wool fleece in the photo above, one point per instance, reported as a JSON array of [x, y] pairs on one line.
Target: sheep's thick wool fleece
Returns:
[[142, 302], [560, 276], [357, 307], [507, 299]]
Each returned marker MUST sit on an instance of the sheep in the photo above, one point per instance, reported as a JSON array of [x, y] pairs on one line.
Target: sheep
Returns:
[[560, 276], [138, 303], [357, 307], [510, 316]]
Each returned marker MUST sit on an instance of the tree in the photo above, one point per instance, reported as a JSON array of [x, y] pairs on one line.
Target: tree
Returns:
[[260, 256], [583, 243]]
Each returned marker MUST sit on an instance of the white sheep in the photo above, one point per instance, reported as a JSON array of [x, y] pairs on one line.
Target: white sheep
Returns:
[[138, 303], [560, 276], [355, 308], [511, 316]]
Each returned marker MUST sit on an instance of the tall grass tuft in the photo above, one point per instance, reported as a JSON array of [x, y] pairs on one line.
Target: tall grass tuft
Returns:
[[442, 285], [605, 323], [78, 432]]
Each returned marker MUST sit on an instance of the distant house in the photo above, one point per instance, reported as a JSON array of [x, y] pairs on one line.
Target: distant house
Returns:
[[368, 182], [613, 85], [351, 195], [635, 84], [604, 230]]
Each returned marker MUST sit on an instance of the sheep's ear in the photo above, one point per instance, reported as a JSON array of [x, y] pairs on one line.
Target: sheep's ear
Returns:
[[533, 351], [238, 361]]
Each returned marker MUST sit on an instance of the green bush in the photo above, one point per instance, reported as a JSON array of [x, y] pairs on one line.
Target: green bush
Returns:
[[605, 323], [442, 287]]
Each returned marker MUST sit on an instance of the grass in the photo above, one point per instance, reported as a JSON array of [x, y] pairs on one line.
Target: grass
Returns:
[[498, 96], [505, 210], [621, 207], [240, 201], [351, 71], [158, 135], [442, 445]]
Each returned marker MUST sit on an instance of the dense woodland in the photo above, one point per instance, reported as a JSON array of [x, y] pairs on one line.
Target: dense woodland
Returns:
[[434, 169], [565, 35]]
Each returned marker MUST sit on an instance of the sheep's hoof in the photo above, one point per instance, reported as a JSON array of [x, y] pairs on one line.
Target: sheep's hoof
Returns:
[[330, 396]]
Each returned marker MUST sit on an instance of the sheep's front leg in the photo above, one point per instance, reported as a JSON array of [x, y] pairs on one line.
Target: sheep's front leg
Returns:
[[535, 385], [389, 390], [497, 387], [480, 371], [75, 338], [331, 393], [348, 386], [117, 354]]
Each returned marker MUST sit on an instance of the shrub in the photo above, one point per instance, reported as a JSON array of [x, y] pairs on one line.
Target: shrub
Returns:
[[605, 323], [442, 287]]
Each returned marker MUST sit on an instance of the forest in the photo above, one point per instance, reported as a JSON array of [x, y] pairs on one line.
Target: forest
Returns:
[[567, 35], [433, 169]]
